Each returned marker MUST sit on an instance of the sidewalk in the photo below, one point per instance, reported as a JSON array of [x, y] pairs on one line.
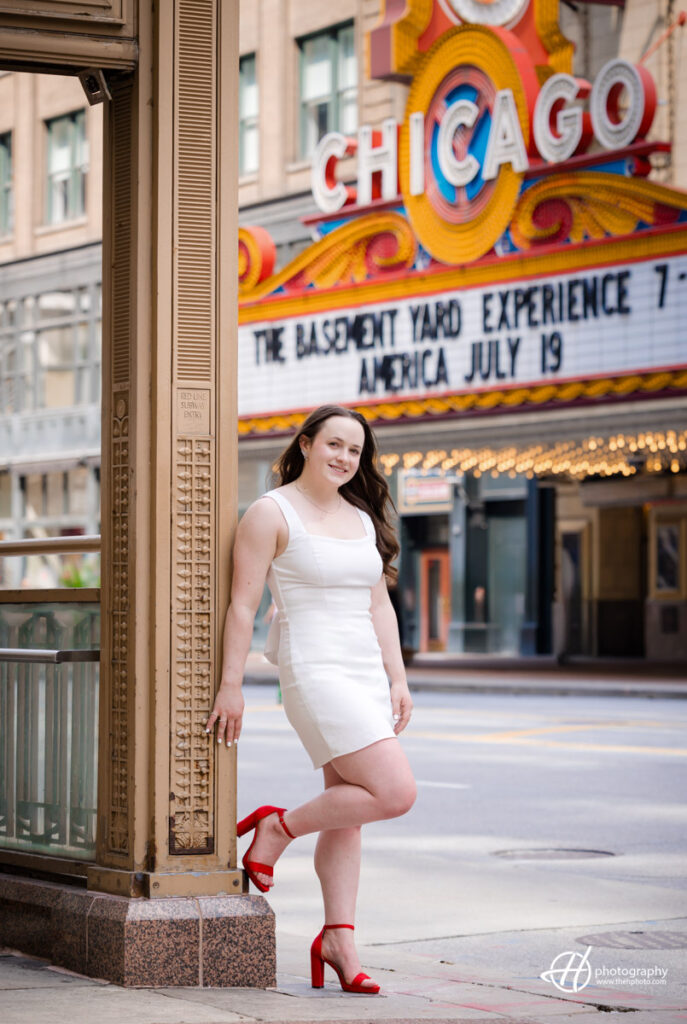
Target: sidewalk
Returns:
[[538, 675], [450, 932], [414, 988]]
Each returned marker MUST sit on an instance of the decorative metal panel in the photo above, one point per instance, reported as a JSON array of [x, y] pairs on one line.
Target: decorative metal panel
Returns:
[[120, 462], [192, 656], [121, 302], [118, 831], [191, 819], [195, 190]]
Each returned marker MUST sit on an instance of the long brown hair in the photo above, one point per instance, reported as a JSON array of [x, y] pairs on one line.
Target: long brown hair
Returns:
[[367, 490]]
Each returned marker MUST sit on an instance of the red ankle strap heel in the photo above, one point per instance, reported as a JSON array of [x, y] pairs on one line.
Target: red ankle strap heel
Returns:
[[249, 823], [317, 962]]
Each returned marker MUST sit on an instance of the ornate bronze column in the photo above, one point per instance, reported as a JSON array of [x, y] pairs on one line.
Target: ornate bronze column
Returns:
[[165, 903], [169, 455]]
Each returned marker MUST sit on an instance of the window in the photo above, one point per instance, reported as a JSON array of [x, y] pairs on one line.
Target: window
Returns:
[[667, 557], [58, 504], [67, 167], [328, 85], [6, 198], [5, 495], [67, 350], [50, 350], [248, 116], [12, 380]]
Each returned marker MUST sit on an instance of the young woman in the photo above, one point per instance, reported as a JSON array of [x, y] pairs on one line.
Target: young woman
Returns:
[[323, 543]]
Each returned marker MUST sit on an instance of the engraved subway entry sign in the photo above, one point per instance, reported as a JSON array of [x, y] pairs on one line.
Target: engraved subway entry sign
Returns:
[[193, 411]]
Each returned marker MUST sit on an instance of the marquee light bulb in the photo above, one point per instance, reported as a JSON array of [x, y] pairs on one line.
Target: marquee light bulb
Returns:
[[592, 456]]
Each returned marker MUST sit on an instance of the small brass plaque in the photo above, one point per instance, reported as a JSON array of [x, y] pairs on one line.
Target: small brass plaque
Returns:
[[193, 411]]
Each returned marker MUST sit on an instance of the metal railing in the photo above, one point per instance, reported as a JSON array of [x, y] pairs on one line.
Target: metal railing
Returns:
[[49, 679], [22, 655], [50, 545]]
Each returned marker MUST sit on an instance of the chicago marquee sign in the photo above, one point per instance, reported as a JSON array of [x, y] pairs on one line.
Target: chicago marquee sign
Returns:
[[501, 246]]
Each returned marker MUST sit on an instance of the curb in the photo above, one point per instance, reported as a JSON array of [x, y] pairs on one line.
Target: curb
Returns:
[[573, 688]]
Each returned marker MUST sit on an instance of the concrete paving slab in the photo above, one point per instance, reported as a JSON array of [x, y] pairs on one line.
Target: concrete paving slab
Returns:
[[21, 972], [294, 1000], [618, 1017], [105, 1004]]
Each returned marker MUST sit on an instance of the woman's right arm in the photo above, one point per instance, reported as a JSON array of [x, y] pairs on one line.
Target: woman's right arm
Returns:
[[257, 540]]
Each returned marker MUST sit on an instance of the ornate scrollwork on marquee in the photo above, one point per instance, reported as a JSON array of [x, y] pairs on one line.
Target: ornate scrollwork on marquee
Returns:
[[558, 47], [257, 253], [394, 40], [586, 205], [365, 248], [407, 28], [537, 394]]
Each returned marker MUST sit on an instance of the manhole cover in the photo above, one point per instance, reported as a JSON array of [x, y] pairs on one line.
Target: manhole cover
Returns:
[[636, 940], [555, 854]]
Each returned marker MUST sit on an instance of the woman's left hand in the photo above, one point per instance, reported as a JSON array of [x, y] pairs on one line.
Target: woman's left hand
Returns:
[[401, 705]]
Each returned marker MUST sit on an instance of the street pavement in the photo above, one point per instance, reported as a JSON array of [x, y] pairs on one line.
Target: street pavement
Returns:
[[548, 836]]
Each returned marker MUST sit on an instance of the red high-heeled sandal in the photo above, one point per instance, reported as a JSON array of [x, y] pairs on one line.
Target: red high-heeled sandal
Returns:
[[317, 962], [251, 822]]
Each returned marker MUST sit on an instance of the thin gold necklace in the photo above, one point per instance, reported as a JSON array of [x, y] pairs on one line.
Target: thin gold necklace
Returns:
[[325, 510]]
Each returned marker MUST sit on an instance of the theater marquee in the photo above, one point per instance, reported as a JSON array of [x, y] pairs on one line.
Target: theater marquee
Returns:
[[610, 321], [484, 252]]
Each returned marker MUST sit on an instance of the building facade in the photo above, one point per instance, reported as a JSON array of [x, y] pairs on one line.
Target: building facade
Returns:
[[535, 454], [50, 320], [506, 311]]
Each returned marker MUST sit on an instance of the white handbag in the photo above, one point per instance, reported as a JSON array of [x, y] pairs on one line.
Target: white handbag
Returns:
[[271, 651]]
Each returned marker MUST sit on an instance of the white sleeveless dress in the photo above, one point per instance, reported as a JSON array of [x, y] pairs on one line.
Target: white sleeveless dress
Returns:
[[334, 686]]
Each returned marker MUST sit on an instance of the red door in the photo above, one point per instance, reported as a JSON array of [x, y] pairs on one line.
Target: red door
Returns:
[[435, 599]]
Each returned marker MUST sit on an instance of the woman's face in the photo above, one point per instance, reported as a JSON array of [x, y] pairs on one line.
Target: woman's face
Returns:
[[334, 452]]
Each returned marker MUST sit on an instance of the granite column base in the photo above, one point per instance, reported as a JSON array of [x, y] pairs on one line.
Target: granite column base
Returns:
[[204, 941]]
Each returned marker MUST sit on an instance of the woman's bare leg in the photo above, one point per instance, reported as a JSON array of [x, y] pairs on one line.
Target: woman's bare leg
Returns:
[[376, 783], [337, 863]]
